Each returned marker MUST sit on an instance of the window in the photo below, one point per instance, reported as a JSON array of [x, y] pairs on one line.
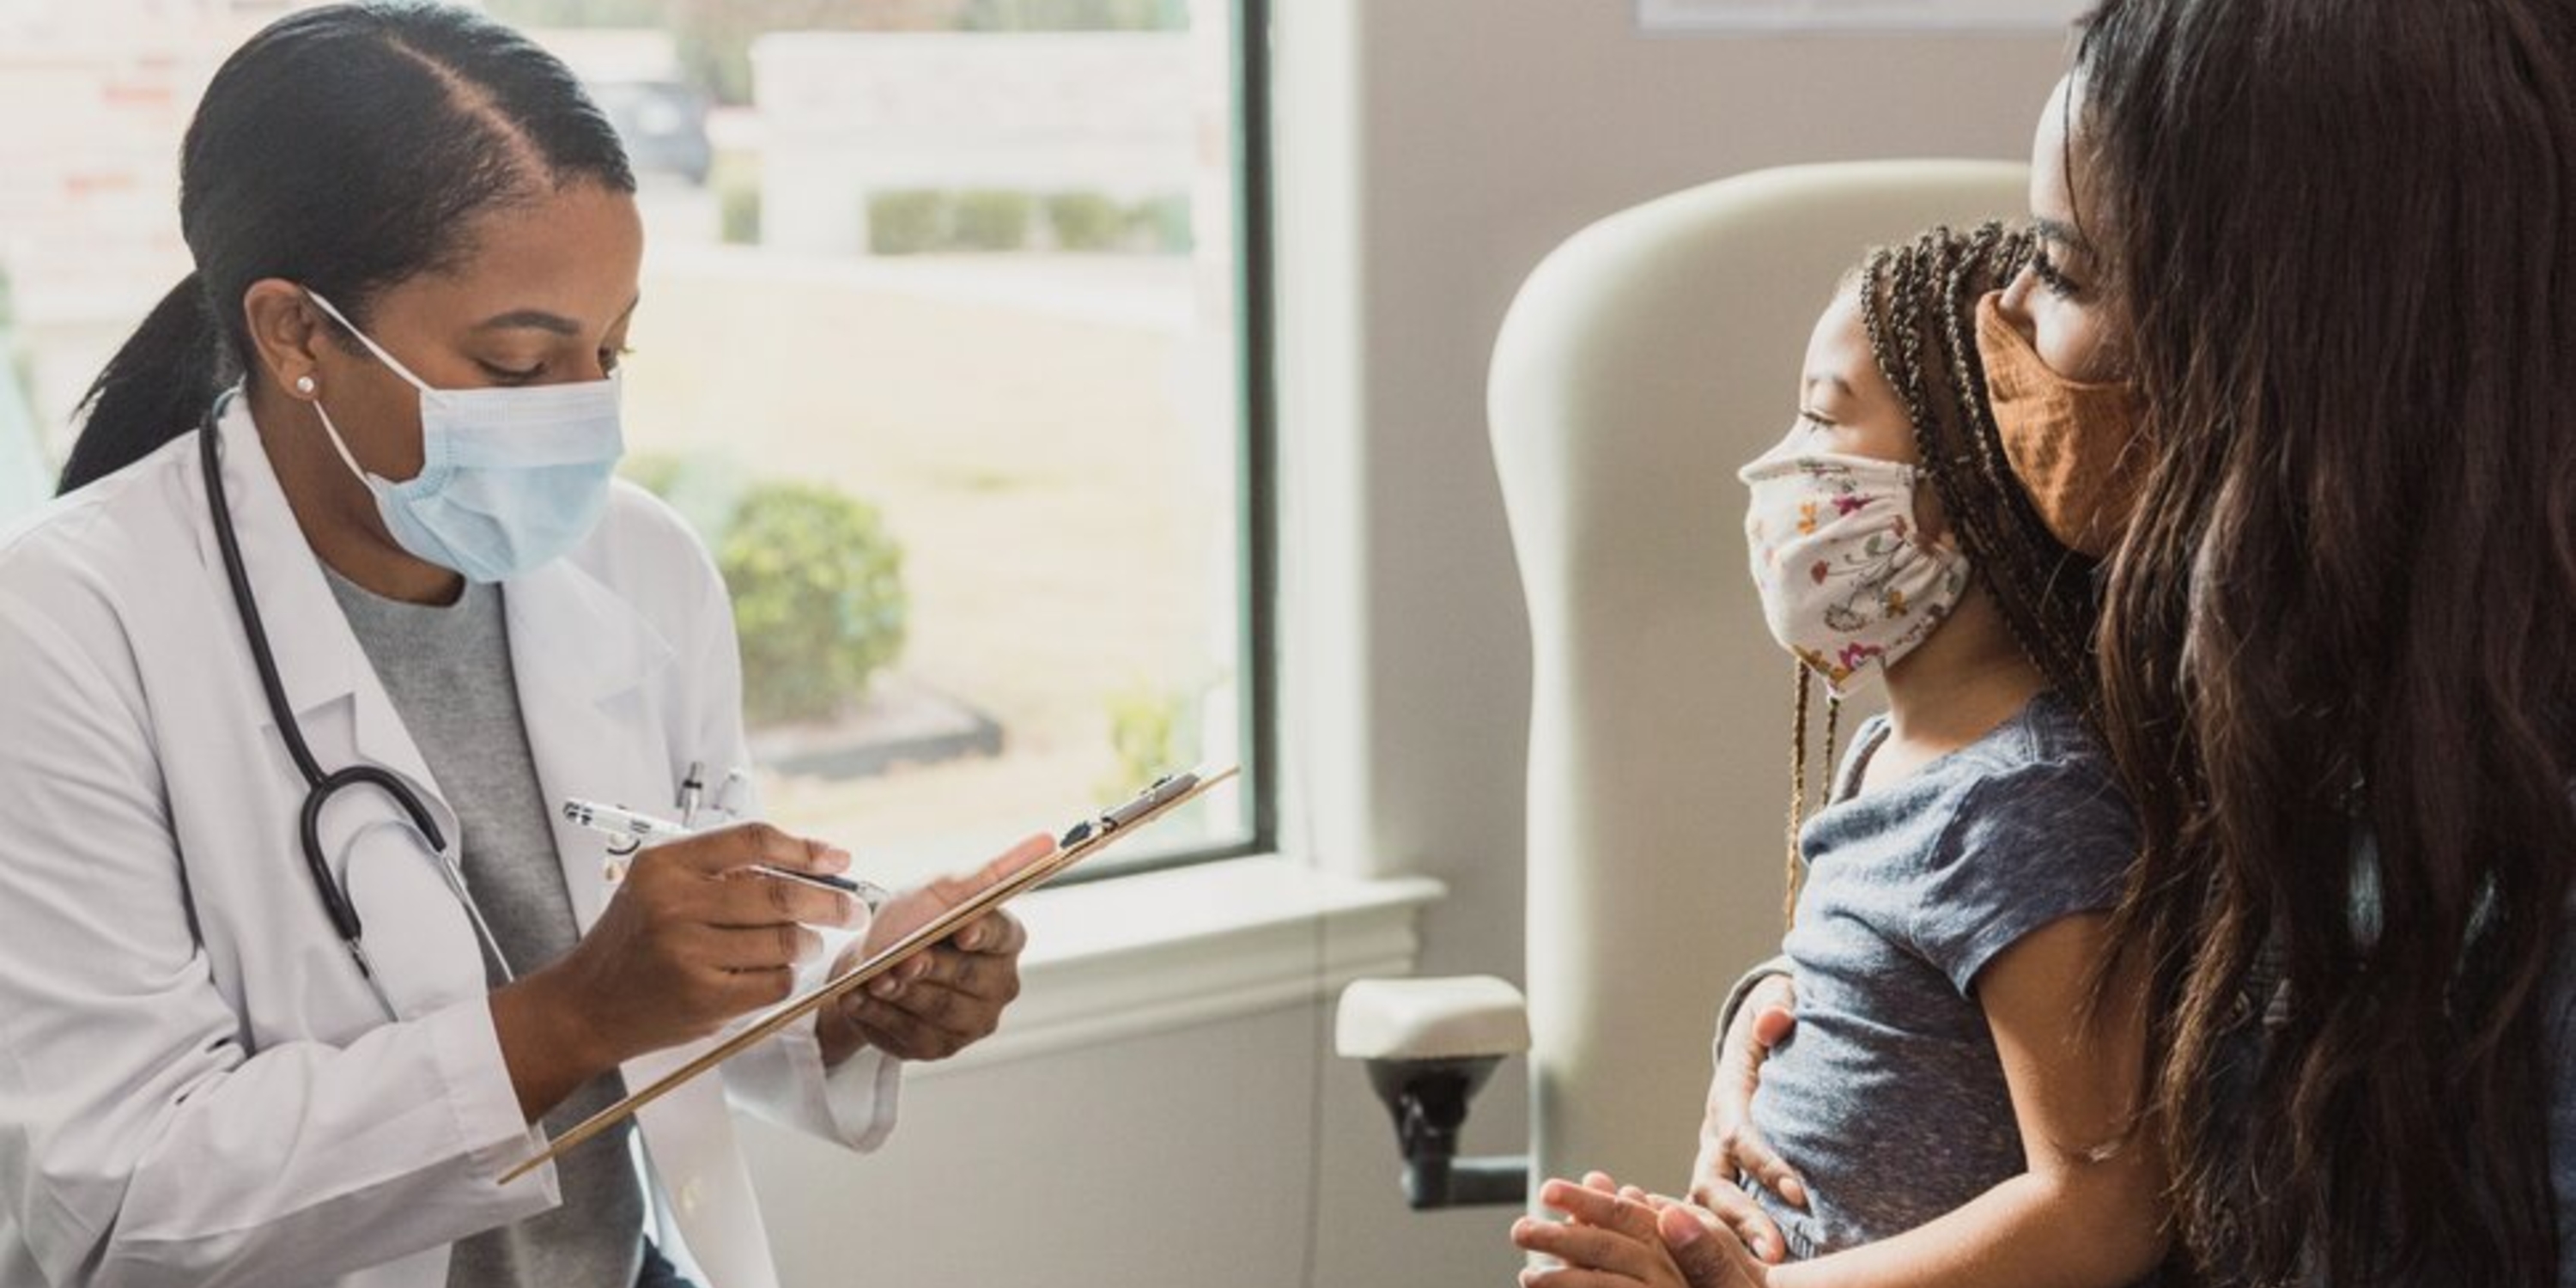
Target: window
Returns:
[[952, 348]]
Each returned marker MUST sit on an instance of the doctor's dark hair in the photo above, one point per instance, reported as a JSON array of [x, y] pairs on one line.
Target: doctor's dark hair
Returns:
[[2339, 670], [347, 149]]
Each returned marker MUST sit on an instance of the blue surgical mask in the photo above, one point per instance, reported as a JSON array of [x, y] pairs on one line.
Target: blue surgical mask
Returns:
[[510, 478]]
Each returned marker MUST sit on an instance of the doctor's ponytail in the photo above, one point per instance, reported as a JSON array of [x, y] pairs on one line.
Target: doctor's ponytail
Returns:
[[347, 149], [155, 388]]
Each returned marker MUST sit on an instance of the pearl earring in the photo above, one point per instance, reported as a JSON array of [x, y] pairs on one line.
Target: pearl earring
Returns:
[[304, 385]]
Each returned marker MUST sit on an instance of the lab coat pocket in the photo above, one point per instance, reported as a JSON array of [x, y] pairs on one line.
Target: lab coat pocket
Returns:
[[418, 938]]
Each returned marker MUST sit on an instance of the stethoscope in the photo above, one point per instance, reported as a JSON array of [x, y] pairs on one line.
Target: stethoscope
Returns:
[[319, 786]]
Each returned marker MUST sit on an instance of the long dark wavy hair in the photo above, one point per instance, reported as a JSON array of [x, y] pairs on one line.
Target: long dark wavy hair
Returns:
[[2339, 646], [347, 148]]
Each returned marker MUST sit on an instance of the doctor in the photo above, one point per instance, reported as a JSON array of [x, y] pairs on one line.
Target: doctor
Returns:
[[295, 959]]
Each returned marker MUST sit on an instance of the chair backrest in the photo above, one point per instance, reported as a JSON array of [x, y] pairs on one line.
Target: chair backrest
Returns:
[[1642, 363]]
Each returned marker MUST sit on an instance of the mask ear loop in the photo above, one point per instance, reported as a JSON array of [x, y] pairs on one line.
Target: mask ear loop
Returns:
[[331, 430], [339, 445], [372, 347]]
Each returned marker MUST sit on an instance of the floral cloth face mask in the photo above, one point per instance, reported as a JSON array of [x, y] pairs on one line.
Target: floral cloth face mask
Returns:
[[1846, 581]]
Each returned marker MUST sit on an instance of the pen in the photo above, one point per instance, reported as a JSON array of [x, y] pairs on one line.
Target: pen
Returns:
[[625, 824], [692, 786]]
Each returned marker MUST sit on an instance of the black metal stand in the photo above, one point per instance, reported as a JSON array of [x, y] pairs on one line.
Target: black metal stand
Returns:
[[1429, 1100]]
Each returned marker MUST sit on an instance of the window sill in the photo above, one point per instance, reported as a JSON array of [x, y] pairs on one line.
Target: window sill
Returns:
[[1171, 950]]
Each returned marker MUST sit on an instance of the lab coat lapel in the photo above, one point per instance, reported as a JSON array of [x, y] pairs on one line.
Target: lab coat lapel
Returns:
[[585, 661], [587, 665], [319, 660]]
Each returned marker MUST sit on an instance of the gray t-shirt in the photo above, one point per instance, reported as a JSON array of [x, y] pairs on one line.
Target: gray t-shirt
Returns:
[[1889, 1098], [449, 674]]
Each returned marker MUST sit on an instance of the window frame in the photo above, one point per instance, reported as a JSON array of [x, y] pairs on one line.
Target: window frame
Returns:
[[1256, 472]]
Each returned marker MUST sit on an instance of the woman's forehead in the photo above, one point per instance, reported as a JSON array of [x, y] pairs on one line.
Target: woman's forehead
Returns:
[[575, 255], [2052, 162]]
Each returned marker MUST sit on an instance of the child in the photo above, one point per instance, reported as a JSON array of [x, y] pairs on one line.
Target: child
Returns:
[[1956, 1114]]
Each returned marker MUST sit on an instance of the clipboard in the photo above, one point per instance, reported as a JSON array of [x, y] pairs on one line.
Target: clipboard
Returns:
[[1084, 840]]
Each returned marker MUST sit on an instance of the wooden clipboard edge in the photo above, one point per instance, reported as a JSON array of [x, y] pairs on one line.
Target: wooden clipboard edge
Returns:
[[886, 958]]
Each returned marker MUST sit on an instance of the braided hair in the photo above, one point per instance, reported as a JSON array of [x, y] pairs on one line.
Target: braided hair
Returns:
[[1919, 309], [1919, 306]]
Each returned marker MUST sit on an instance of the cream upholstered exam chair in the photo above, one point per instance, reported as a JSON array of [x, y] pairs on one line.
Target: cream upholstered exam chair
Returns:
[[1643, 362]]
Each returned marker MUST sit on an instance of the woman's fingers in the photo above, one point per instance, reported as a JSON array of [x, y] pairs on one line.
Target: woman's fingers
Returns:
[[1590, 1247], [923, 904], [1762, 1022], [962, 1015], [1765, 1020], [751, 899], [995, 934], [904, 1034], [1605, 1209], [1703, 1254], [935, 1005], [1572, 1277], [724, 850], [1012, 861], [1753, 1227], [759, 947], [743, 991], [978, 975], [1773, 1024], [706, 879], [1755, 1157], [958, 1001]]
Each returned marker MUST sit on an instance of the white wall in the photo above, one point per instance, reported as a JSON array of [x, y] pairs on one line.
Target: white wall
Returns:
[[1431, 152]]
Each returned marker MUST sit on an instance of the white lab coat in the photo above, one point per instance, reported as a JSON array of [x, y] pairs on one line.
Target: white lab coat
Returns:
[[196, 1085]]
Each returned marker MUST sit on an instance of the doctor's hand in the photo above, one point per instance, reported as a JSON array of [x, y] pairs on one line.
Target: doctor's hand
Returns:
[[949, 997], [1729, 1147], [689, 942]]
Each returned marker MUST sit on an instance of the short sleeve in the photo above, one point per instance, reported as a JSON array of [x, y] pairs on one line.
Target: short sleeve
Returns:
[[2023, 849]]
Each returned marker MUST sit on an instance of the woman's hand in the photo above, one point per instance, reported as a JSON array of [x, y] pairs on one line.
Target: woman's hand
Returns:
[[949, 997], [1729, 1147], [1615, 1237], [689, 942]]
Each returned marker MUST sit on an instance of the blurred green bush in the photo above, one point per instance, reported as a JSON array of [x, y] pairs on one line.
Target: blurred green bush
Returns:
[[818, 597], [989, 219], [921, 221], [907, 221], [816, 579], [1152, 732], [1085, 221], [736, 180]]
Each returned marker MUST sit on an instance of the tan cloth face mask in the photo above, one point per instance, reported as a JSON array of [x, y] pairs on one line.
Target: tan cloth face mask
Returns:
[[2078, 447]]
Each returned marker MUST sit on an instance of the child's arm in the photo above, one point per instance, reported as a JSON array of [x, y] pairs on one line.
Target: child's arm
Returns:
[[2090, 1211], [2072, 1221]]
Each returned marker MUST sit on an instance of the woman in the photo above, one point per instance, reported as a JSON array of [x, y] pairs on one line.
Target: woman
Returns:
[[1947, 1095], [2328, 243], [295, 951]]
